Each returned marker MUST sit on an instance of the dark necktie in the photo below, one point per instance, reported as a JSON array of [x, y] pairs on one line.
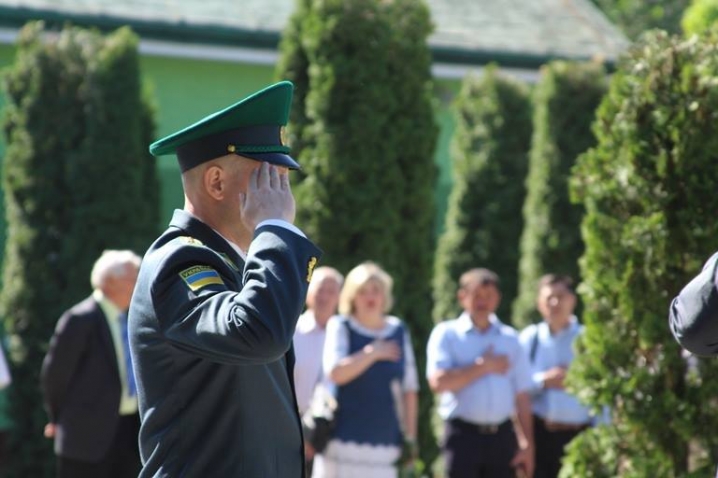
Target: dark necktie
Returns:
[[124, 330]]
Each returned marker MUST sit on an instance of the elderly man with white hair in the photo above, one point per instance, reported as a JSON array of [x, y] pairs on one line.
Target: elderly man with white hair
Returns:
[[87, 378], [322, 302]]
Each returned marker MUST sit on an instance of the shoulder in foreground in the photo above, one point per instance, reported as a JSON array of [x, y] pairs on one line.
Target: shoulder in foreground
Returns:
[[336, 321], [87, 306], [306, 323], [444, 326], [506, 329], [528, 331], [181, 250]]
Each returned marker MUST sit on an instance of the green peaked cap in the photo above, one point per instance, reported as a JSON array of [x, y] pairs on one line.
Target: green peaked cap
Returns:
[[251, 127]]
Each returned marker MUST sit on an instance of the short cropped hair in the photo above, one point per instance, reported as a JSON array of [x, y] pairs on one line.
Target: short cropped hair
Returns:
[[556, 279], [481, 275], [360, 276], [324, 272], [113, 263]]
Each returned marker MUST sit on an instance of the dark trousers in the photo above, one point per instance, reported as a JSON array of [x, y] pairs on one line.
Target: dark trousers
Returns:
[[472, 452], [3, 452], [308, 466], [550, 446], [122, 459]]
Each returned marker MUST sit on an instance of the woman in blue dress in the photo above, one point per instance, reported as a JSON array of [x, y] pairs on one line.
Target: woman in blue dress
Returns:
[[369, 358]]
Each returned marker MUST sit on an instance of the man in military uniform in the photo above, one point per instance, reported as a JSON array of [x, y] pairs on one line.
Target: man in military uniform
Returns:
[[217, 301]]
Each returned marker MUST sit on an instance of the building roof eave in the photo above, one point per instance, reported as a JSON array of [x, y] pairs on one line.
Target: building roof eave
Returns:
[[526, 61], [181, 32]]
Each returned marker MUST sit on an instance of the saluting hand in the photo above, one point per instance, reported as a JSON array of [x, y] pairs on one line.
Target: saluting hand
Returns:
[[268, 196]]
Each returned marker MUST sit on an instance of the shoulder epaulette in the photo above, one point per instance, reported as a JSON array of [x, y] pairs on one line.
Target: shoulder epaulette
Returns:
[[190, 240]]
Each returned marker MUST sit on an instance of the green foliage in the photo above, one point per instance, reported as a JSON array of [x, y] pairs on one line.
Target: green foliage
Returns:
[[700, 16], [565, 102], [634, 17], [490, 162], [649, 192], [293, 65], [75, 173], [367, 150]]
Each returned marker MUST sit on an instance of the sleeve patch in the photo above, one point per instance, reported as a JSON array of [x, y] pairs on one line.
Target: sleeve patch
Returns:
[[197, 277]]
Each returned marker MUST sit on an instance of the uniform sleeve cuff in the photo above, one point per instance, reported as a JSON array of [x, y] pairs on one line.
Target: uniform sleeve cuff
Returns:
[[284, 224]]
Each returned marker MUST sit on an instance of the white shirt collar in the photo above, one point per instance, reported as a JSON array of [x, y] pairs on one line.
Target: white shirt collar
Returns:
[[569, 329], [234, 246], [466, 324], [108, 307]]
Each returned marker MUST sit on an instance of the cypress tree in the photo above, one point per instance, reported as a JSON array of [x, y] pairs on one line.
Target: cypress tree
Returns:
[[490, 161], [649, 192], [700, 16], [565, 103], [293, 65], [367, 149], [73, 170], [634, 17], [108, 207]]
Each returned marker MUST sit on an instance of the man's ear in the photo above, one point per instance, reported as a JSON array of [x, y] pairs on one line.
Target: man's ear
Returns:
[[214, 182]]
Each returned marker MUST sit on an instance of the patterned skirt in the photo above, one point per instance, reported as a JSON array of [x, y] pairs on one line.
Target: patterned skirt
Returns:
[[351, 460]]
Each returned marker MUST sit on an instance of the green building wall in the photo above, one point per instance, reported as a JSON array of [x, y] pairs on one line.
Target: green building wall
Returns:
[[185, 90]]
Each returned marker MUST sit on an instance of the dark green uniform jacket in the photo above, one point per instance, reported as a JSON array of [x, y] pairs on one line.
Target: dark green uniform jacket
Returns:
[[210, 339], [694, 312]]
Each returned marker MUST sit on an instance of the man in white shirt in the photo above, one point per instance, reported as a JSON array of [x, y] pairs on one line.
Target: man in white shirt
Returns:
[[322, 301], [558, 415], [477, 366]]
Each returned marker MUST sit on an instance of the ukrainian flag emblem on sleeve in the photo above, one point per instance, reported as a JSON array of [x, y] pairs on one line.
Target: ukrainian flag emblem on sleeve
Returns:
[[197, 277]]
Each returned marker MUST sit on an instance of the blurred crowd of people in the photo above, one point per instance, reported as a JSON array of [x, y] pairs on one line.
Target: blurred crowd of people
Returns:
[[500, 392]]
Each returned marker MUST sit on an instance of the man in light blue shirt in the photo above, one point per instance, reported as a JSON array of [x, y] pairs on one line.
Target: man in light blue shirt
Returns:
[[482, 374], [558, 415]]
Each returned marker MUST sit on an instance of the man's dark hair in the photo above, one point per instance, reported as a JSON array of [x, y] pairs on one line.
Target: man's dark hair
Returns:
[[481, 275], [557, 279]]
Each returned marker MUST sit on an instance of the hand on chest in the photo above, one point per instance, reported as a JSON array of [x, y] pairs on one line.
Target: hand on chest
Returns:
[[469, 348]]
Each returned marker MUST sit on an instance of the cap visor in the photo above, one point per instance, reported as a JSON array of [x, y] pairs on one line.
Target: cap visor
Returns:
[[277, 159]]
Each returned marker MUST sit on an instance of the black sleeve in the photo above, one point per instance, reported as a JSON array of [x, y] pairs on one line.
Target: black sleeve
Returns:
[[66, 348], [693, 314], [252, 322]]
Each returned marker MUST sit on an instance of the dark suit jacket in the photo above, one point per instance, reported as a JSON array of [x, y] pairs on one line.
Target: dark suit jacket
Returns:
[[693, 314], [214, 363], [81, 383]]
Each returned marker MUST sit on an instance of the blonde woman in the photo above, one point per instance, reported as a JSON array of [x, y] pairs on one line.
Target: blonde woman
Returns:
[[369, 358]]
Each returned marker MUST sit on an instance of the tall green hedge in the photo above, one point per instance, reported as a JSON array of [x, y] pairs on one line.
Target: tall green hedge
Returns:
[[77, 179], [565, 102], [293, 65], [634, 17], [490, 161], [649, 192], [700, 16], [367, 149]]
